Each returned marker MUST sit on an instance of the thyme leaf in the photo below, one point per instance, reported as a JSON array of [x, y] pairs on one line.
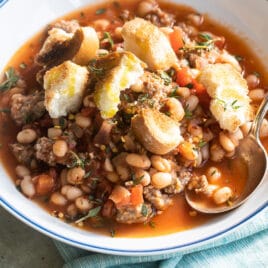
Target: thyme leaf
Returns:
[[11, 80], [167, 79], [5, 110], [201, 143], [91, 214], [100, 11], [107, 35], [144, 210]]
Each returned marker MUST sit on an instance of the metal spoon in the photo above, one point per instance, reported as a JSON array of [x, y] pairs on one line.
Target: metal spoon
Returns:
[[252, 154]]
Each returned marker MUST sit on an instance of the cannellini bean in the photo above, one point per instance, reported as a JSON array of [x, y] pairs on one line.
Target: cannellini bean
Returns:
[[71, 192], [123, 172], [26, 136], [236, 137], [195, 19], [58, 199], [257, 94], [22, 171], [53, 133], [44, 184], [187, 150], [161, 180], [83, 204], [27, 186], [264, 128], [160, 163], [191, 103], [60, 148], [213, 174], [222, 195], [226, 142], [210, 189], [112, 177], [120, 165], [195, 130], [252, 80], [183, 92], [119, 194], [75, 175], [175, 109], [101, 24], [108, 165], [199, 159], [118, 32], [216, 152], [138, 160], [72, 210], [82, 121], [143, 176], [145, 7]]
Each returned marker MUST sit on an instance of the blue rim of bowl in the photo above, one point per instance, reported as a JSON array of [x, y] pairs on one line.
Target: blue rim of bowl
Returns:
[[2, 2], [87, 246]]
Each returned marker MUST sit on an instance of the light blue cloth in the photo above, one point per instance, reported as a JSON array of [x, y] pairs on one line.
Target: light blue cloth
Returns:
[[246, 247]]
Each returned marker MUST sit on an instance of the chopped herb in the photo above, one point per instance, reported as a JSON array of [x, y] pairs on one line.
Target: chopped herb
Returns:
[[213, 172], [144, 210], [95, 70], [77, 161], [23, 65], [5, 110], [136, 180], [126, 97], [152, 224], [205, 36], [188, 113], [107, 36], [91, 214], [202, 143], [87, 174], [257, 74], [112, 232], [223, 103], [11, 80], [167, 113], [167, 79], [143, 97], [100, 11], [91, 197], [235, 107], [173, 94], [239, 58], [190, 85]]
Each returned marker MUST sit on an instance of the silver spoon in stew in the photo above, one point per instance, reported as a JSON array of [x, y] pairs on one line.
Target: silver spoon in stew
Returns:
[[253, 156]]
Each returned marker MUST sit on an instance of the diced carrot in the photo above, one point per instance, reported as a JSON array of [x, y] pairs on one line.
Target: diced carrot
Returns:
[[201, 93], [44, 184], [136, 197], [120, 196], [176, 40], [183, 77]]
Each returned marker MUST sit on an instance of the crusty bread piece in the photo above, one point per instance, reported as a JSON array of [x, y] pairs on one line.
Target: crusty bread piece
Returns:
[[149, 44], [126, 73], [157, 132], [228, 89], [89, 46], [64, 88]]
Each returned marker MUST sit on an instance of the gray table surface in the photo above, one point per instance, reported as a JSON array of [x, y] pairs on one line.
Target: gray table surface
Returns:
[[21, 246]]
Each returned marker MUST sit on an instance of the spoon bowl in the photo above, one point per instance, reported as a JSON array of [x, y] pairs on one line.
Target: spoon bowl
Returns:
[[252, 155]]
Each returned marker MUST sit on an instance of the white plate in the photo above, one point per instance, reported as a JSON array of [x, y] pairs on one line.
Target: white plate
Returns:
[[19, 20]]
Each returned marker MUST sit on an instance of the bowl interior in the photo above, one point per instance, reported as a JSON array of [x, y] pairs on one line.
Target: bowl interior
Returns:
[[247, 18]]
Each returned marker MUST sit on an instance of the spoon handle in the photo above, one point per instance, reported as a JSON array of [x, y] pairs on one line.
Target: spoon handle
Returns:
[[256, 124]]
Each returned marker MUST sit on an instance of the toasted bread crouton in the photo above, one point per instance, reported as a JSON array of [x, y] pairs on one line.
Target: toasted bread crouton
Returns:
[[64, 88], [149, 44], [230, 103], [157, 132], [126, 73], [59, 47], [89, 46]]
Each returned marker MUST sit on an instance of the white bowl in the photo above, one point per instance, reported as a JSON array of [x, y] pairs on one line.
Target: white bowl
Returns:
[[19, 20]]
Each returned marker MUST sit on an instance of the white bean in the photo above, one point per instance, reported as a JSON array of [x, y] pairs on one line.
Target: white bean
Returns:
[[222, 195], [252, 80], [143, 177], [60, 148], [226, 142], [210, 189], [22, 171], [82, 121], [257, 94], [183, 92], [58, 199], [72, 210], [175, 109], [71, 192], [75, 175], [205, 152], [112, 177], [161, 180], [138, 160], [26, 136], [160, 163], [83, 204], [236, 137], [53, 133], [246, 128], [27, 186], [191, 103], [108, 165], [213, 174]]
